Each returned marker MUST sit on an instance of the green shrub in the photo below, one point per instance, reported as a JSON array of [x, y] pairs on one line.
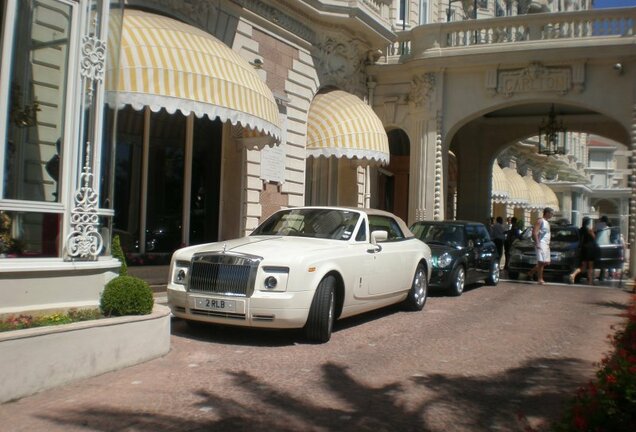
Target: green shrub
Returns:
[[118, 253], [127, 295]]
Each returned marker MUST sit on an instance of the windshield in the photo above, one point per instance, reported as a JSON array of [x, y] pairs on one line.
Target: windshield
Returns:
[[434, 233], [336, 224], [564, 234]]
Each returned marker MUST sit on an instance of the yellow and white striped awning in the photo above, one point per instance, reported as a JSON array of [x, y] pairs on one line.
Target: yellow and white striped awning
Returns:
[[164, 63], [499, 192], [517, 187], [551, 199], [340, 124], [536, 198]]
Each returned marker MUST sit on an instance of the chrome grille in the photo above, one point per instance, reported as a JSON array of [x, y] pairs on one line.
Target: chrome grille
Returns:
[[226, 274]]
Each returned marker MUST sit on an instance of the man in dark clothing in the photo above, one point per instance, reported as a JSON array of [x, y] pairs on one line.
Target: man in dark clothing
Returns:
[[513, 233], [499, 235]]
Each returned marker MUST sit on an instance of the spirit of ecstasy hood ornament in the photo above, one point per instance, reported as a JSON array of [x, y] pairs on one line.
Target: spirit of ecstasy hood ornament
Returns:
[[224, 247]]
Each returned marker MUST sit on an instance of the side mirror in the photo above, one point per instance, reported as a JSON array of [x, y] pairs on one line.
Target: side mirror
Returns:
[[379, 236], [376, 237]]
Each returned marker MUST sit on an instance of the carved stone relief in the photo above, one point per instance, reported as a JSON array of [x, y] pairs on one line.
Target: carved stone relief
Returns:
[[341, 63], [536, 78], [422, 87]]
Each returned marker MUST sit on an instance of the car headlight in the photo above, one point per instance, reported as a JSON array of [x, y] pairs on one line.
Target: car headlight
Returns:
[[273, 279], [444, 260], [180, 272]]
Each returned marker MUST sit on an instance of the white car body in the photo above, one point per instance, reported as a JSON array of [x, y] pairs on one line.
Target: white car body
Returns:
[[271, 280]]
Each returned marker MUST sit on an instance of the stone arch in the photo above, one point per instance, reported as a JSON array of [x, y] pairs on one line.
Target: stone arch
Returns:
[[479, 136]]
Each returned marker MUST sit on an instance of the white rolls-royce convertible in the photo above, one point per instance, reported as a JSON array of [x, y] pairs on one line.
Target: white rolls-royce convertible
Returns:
[[302, 268]]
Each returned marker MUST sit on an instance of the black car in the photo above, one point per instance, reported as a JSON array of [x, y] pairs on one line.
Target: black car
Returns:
[[564, 243], [611, 249], [462, 253]]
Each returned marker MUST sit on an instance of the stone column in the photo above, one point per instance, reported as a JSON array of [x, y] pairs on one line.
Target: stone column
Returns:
[[632, 203]]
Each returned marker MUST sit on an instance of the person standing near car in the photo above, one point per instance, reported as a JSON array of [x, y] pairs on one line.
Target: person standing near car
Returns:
[[498, 232], [587, 251], [541, 237], [512, 234]]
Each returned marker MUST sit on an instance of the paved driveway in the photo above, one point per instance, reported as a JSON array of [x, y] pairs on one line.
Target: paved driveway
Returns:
[[463, 364]]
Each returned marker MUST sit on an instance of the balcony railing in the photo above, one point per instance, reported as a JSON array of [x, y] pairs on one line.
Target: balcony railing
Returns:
[[618, 22]]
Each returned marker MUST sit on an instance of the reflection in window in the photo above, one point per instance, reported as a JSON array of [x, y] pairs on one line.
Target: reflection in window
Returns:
[[165, 181], [128, 169], [37, 101], [26, 234], [206, 179]]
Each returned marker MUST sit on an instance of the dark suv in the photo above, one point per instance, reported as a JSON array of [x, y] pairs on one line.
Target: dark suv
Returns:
[[462, 253]]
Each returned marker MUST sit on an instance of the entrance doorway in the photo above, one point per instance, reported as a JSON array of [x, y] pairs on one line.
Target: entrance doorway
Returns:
[[393, 181]]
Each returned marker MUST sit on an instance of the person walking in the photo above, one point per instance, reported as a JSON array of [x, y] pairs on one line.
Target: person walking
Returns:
[[498, 233], [587, 251], [513, 233], [541, 237]]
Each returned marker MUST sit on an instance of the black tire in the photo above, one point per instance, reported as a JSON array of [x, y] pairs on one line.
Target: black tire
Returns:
[[321, 314], [493, 275], [513, 275], [457, 282], [416, 298]]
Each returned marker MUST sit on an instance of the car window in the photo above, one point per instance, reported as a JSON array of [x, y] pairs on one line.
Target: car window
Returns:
[[388, 224], [336, 224], [471, 232], [482, 233], [362, 233], [450, 234]]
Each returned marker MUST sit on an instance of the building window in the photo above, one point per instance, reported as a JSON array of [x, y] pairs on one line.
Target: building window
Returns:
[[424, 12], [36, 85], [34, 89]]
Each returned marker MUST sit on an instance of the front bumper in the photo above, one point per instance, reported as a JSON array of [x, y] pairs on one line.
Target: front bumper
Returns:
[[440, 278], [558, 264], [262, 309]]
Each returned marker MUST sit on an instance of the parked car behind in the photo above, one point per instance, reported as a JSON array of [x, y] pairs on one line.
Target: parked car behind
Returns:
[[463, 253], [302, 268], [564, 243]]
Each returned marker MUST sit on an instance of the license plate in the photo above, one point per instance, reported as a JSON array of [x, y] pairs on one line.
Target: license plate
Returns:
[[213, 304]]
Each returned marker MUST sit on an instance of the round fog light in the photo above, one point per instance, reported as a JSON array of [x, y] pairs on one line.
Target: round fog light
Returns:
[[270, 282]]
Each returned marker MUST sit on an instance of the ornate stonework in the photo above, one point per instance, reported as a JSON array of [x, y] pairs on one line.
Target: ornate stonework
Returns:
[[341, 63], [536, 78], [279, 18], [422, 87], [439, 162]]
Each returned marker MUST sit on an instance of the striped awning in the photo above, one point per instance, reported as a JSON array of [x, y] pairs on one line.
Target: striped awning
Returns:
[[517, 188], [340, 124], [167, 64], [536, 198], [499, 192], [551, 199]]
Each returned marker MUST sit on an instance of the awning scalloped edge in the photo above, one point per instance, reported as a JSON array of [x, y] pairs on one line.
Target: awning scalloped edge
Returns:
[[171, 104]]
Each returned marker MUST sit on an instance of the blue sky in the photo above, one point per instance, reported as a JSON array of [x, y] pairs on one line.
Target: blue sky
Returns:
[[600, 4]]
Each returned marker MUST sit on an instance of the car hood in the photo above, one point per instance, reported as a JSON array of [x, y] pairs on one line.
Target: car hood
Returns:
[[438, 249], [264, 246], [555, 246]]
